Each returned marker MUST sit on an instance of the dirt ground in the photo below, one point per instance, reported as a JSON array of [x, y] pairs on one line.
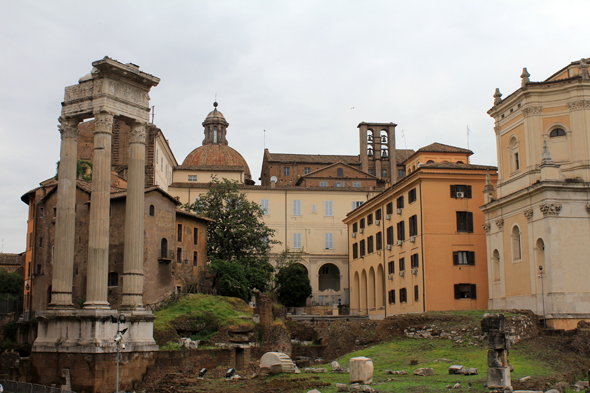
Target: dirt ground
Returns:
[[569, 353]]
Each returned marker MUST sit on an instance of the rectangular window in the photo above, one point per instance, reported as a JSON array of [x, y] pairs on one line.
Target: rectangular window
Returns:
[[389, 208], [362, 246], [400, 202], [383, 172], [465, 222], [296, 207], [54, 212], [460, 191], [264, 205], [323, 184], [370, 219], [371, 171], [378, 214], [414, 261], [390, 267], [41, 242], [356, 204], [195, 258], [30, 240], [355, 227], [41, 212], [390, 235], [402, 264], [313, 208], [464, 258], [338, 184], [516, 161], [356, 184], [195, 236], [355, 250], [340, 172], [401, 231], [465, 291], [416, 293], [362, 223], [370, 245], [412, 195], [392, 296], [328, 209], [401, 173], [297, 240], [286, 171], [403, 295], [179, 255], [179, 233], [306, 170], [329, 241], [413, 221], [192, 177], [378, 241]]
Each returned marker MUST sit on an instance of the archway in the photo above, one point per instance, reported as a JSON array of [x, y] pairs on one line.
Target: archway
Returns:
[[329, 277], [363, 293], [379, 287], [371, 289], [356, 297]]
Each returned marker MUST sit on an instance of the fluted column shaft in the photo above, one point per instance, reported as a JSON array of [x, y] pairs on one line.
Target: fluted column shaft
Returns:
[[134, 221], [100, 200], [65, 225]]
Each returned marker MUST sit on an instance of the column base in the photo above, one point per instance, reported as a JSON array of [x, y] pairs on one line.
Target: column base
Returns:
[[97, 306], [91, 331]]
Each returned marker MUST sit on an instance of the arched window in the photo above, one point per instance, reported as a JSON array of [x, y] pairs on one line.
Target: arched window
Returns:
[[459, 162], [370, 136], [214, 134], [516, 246], [164, 248], [152, 210], [430, 162], [383, 136], [113, 279], [513, 154], [496, 265], [557, 132]]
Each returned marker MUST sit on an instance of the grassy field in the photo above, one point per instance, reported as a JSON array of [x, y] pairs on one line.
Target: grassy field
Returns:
[[398, 354]]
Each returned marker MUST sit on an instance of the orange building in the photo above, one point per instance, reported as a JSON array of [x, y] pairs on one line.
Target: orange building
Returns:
[[419, 245]]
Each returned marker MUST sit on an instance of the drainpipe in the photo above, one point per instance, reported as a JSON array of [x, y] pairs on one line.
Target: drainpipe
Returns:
[[422, 247], [383, 249], [286, 244]]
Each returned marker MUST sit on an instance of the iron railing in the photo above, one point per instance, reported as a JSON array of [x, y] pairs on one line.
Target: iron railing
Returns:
[[27, 387]]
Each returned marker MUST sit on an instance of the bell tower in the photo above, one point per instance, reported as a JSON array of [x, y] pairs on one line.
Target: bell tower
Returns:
[[215, 128], [377, 150]]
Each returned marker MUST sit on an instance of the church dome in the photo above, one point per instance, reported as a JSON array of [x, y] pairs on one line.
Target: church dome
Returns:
[[216, 155]]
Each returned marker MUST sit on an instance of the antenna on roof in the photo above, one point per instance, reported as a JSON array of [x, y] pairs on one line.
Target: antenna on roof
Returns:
[[468, 131], [153, 112], [264, 139], [405, 145]]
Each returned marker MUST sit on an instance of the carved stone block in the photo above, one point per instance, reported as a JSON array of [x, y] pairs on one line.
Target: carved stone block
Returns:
[[498, 378], [492, 322], [497, 358], [361, 370]]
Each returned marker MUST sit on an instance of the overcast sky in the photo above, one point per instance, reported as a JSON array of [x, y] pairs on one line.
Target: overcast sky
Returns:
[[307, 72]]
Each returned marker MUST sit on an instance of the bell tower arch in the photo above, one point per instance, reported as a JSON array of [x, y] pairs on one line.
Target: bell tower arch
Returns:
[[377, 150]]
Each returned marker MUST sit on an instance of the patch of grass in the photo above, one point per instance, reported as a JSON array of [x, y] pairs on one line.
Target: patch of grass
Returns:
[[171, 346], [203, 314], [398, 354]]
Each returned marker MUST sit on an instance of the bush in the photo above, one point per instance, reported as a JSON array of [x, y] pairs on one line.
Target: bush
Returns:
[[9, 331]]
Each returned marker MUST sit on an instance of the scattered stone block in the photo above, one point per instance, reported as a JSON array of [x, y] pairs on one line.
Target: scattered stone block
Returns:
[[580, 385], [498, 378], [311, 370], [276, 363], [413, 362], [342, 387], [400, 372], [456, 369], [553, 391], [313, 391], [361, 370], [425, 371], [562, 386], [355, 387], [524, 379], [470, 371], [457, 385], [446, 360], [335, 365], [368, 389]]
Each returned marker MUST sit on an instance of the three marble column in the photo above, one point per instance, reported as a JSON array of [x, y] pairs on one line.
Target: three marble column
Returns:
[[98, 244]]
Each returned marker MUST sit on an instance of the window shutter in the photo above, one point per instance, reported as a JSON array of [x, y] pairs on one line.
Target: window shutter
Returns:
[[473, 292], [453, 191], [297, 240], [455, 258], [329, 241], [393, 296], [472, 258], [264, 204], [296, 207], [354, 206], [469, 222], [457, 292], [467, 191], [328, 208]]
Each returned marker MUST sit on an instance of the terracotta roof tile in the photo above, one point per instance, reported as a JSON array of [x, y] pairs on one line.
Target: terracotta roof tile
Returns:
[[440, 148]]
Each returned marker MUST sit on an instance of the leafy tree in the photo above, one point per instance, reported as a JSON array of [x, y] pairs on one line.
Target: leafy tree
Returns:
[[237, 234], [11, 283], [292, 281], [231, 279]]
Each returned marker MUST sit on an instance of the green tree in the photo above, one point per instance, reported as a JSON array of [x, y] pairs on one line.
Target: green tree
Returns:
[[11, 283], [292, 281], [237, 234]]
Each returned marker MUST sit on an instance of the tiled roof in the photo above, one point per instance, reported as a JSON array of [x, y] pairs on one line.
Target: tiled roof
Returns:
[[258, 187], [121, 193], [454, 165], [216, 155], [440, 148], [190, 214], [10, 259]]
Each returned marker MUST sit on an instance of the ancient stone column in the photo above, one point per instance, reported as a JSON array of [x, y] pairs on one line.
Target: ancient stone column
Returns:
[[100, 201], [134, 217], [65, 225]]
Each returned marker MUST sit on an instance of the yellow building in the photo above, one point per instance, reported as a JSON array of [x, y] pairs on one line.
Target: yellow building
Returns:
[[538, 227], [419, 245]]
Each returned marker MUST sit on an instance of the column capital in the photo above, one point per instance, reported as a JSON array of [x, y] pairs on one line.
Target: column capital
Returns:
[[138, 132], [103, 122], [68, 127]]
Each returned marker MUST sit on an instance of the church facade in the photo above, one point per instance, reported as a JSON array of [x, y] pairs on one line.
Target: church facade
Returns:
[[537, 225]]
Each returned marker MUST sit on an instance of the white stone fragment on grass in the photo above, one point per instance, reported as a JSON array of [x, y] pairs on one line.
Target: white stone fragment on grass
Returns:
[[361, 370]]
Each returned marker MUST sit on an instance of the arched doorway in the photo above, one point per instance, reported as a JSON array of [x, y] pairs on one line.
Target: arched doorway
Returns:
[[379, 287], [371, 289], [356, 297], [329, 277], [363, 293]]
